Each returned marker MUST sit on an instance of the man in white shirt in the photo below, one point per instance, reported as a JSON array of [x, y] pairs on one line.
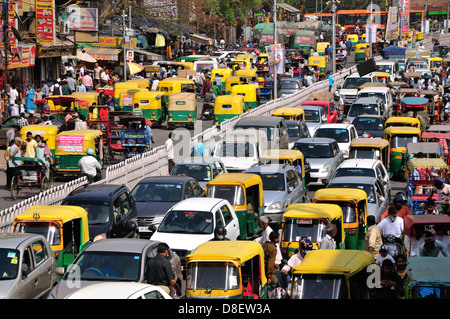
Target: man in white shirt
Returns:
[[393, 225], [13, 95], [328, 241], [155, 83], [263, 222], [170, 152], [90, 167]]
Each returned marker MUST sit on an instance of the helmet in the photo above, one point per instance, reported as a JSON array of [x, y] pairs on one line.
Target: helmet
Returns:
[[220, 232], [336, 95], [400, 197], [90, 151], [279, 293], [305, 244]]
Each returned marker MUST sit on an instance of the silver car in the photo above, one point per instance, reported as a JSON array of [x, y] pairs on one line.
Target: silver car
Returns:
[[282, 186], [376, 196], [115, 259], [27, 266], [323, 156], [315, 116]]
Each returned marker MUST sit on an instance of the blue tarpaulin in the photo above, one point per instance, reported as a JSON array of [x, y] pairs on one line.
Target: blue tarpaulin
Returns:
[[392, 50]]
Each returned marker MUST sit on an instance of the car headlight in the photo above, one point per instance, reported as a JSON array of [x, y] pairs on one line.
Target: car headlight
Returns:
[[325, 168], [276, 205]]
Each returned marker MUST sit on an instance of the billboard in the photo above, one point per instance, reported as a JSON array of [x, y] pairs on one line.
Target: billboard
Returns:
[[45, 21], [82, 19]]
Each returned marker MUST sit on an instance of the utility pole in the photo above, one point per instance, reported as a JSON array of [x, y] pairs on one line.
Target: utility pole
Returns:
[[370, 29], [124, 48], [275, 84], [333, 44], [5, 39]]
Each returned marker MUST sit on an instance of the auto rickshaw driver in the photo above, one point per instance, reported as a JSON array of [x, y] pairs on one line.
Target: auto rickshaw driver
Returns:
[[90, 167]]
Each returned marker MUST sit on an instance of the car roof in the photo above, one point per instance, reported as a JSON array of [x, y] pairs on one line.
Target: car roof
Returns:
[[311, 107], [14, 240], [336, 125], [375, 89], [96, 191], [200, 160], [314, 140], [194, 203], [366, 100], [166, 179], [359, 162], [111, 290], [130, 245], [269, 168], [259, 120], [353, 179]]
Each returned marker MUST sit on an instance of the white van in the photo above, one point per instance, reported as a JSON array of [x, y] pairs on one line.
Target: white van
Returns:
[[241, 149], [383, 93], [201, 65]]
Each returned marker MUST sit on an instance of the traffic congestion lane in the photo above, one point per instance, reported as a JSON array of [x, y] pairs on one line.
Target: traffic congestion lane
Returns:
[[160, 135]]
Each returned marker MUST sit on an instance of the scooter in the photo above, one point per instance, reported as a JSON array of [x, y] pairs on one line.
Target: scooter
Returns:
[[208, 111]]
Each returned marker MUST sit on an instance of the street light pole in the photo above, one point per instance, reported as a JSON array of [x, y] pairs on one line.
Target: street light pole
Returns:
[[124, 48], [333, 44], [275, 84]]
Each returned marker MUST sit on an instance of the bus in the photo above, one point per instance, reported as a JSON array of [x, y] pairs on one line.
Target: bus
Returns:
[[327, 18]]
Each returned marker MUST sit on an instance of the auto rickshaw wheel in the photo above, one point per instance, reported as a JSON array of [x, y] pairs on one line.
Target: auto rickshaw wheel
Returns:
[[14, 187]]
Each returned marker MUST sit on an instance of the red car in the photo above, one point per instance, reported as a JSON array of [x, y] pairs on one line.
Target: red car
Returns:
[[329, 108]]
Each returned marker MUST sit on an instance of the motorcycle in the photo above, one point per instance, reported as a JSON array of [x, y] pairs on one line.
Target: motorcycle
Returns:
[[208, 111], [394, 245]]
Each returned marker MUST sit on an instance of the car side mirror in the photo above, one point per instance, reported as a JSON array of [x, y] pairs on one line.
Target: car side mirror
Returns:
[[60, 271], [290, 189], [152, 228]]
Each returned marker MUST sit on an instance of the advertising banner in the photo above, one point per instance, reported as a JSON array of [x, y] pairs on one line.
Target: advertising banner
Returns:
[[71, 143], [83, 19], [45, 21], [391, 26], [405, 18]]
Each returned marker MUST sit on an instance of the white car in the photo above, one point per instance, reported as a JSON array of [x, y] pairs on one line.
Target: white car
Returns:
[[365, 167], [192, 221], [120, 290], [350, 87], [383, 93], [225, 54], [343, 133]]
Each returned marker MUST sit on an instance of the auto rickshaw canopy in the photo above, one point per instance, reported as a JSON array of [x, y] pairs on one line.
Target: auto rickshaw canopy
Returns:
[[341, 194], [439, 128], [245, 180], [76, 141], [414, 163], [411, 101], [285, 154], [428, 271], [229, 104], [57, 213], [425, 148], [48, 133], [182, 101], [403, 121], [372, 85], [401, 130], [422, 220], [290, 112], [334, 261], [313, 210], [90, 97], [369, 142], [249, 91]]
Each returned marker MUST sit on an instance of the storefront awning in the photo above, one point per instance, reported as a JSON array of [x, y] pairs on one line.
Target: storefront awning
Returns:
[[200, 38], [98, 53], [56, 49], [150, 55]]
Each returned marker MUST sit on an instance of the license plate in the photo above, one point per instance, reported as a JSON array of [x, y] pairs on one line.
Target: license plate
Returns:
[[143, 230], [304, 221], [206, 112]]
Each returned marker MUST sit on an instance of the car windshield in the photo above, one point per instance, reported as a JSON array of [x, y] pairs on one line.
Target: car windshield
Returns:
[[272, 182], [201, 173], [295, 228], [312, 116], [366, 123], [47, 229], [354, 83], [235, 150], [204, 66], [314, 150], [354, 171], [380, 95], [341, 135], [267, 129], [369, 189], [105, 266], [9, 263], [187, 222], [317, 286], [293, 130], [359, 109], [157, 192], [385, 68], [364, 152], [289, 85], [98, 212], [233, 194], [400, 141], [215, 275]]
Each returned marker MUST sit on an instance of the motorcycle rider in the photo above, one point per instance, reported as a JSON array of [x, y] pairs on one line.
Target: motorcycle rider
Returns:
[[338, 103], [208, 102], [399, 202], [220, 233], [304, 246]]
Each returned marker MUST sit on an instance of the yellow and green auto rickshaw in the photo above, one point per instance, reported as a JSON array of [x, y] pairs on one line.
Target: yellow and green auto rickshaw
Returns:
[[90, 97], [150, 102], [320, 62], [310, 220], [142, 83], [250, 92], [371, 148], [227, 107], [434, 61], [245, 193], [353, 38], [73, 145], [122, 86], [290, 113], [65, 228], [383, 77], [362, 51], [235, 80], [398, 137], [354, 205], [181, 110], [223, 75], [226, 270], [321, 46], [126, 99], [48, 133], [402, 121], [175, 85], [333, 274]]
